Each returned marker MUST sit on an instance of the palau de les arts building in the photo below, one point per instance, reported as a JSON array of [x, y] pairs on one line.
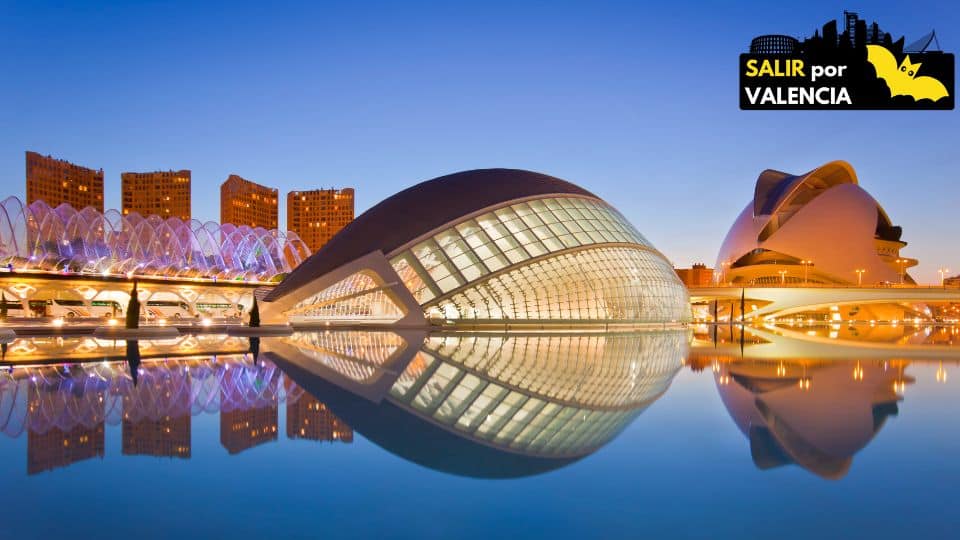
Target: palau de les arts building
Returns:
[[818, 228], [484, 247]]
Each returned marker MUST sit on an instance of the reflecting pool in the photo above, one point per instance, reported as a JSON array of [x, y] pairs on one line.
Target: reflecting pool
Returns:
[[707, 432]]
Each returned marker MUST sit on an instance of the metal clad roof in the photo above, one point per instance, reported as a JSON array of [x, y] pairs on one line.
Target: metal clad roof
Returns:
[[420, 209]]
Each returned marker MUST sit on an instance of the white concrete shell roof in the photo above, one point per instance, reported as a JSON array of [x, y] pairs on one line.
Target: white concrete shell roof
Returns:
[[823, 216]]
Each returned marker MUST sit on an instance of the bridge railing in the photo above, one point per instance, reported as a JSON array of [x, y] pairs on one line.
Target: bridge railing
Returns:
[[824, 286]]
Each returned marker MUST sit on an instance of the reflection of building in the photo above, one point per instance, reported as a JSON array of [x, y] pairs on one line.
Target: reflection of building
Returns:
[[156, 414], [162, 193], [307, 418], [167, 437], [248, 408], [485, 405], [813, 414], [317, 215], [57, 448], [56, 438], [243, 202], [56, 181], [241, 429], [819, 227], [481, 247], [696, 276]]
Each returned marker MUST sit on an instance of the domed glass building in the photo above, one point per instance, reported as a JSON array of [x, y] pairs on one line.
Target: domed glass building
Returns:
[[490, 246]]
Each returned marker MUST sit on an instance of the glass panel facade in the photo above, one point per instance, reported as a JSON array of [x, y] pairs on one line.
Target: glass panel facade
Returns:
[[547, 395], [603, 283], [613, 283], [356, 297], [38, 237]]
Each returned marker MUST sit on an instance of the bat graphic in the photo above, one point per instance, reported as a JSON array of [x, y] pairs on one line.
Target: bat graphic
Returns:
[[902, 79]]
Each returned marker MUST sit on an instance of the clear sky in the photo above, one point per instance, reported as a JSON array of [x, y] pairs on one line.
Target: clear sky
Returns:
[[635, 102]]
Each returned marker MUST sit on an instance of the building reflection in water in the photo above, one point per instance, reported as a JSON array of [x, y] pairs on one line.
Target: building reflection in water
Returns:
[[249, 407], [156, 414], [309, 419], [484, 405], [474, 404], [796, 407], [57, 448], [65, 408]]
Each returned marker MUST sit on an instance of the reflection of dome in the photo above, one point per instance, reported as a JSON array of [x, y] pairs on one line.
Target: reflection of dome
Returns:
[[484, 405], [484, 246], [819, 427], [823, 217]]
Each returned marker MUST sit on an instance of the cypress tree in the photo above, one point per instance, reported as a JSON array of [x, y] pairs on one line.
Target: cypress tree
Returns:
[[255, 315], [133, 309]]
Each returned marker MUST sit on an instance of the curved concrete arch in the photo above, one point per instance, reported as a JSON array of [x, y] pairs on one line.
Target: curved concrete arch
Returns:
[[792, 214]]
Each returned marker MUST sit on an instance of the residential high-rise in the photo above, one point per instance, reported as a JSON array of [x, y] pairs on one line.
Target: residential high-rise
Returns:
[[318, 214], [163, 193], [243, 202], [56, 181]]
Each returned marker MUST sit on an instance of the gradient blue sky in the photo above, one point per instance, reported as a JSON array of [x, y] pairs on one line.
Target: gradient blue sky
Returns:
[[637, 103]]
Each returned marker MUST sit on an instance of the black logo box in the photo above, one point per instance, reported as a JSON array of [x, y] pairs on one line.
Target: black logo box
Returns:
[[866, 90]]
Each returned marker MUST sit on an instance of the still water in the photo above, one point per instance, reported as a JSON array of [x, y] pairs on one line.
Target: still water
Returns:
[[787, 432]]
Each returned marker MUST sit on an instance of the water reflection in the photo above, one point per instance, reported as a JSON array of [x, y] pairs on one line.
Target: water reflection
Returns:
[[63, 408], [471, 404], [480, 404], [802, 397]]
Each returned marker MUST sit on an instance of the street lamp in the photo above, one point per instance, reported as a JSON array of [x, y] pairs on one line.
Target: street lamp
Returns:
[[783, 277], [902, 263], [859, 272], [806, 266], [943, 273]]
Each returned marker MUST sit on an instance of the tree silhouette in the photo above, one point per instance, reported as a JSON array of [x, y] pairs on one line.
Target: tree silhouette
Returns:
[[255, 315], [133, 309], [133, 359]]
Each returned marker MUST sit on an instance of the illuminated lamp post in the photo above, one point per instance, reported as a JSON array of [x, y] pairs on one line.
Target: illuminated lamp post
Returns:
[[783, 277], [859, 272], [902, 263], [806, 267], [943, 273]]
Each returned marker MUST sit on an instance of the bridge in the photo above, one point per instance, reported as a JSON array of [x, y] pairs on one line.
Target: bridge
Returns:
[[772, 302]]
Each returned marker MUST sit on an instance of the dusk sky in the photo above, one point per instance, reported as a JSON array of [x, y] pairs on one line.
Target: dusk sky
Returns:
[[635, 103]]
